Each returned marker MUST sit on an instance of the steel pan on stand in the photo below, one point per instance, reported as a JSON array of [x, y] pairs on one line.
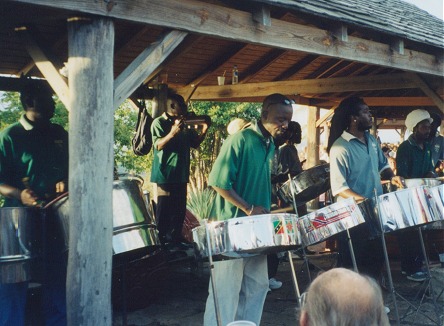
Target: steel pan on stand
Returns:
[[20, 241], [248, 236], [324, 223], [245, 237], [134, 230], [306, 186], [407, 208]]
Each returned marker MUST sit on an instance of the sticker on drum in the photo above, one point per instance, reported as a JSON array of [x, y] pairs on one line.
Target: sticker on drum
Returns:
[[323, 223], [407, 207], [249, 236]]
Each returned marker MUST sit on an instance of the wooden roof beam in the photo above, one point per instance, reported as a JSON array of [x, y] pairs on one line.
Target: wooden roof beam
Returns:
[[134, 75], [185, 46], [261, 64], [428, 90], [41, 54], [302, 87], [374, 101], [296, 67], [215, 20]]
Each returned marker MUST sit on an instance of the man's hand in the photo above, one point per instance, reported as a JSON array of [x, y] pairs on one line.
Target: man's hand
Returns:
[[61, 187], [29, 198], [177, 127], [398, 182]]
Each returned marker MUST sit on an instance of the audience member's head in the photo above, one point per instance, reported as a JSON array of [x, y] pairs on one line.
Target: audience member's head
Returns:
[[342, 297]]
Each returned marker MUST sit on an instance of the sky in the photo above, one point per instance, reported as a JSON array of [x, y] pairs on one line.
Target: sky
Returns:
[[434, 7]]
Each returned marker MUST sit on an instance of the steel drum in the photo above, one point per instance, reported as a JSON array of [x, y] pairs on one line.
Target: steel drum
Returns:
[[430, 182], [248, 236], [323, 223], [371, 217], [133, 228], [408, 207], [437, 193], [307, 185], [19, 242]]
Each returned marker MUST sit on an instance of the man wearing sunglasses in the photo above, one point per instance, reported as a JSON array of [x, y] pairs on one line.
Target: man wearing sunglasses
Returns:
[[242, 179]]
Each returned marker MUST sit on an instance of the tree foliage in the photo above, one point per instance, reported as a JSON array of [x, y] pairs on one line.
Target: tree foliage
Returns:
[[125, 119]]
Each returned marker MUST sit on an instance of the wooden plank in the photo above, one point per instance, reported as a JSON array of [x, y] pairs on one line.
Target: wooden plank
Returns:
[[303, 87], [422, 84], [406, 101], [215, 20], [46, 67], [134, 75], [91, 161]]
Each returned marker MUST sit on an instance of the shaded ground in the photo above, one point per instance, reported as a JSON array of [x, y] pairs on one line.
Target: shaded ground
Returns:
[[179, 298]]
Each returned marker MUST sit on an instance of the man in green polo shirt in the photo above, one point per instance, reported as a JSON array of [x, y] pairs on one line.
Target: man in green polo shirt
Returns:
[[170, 172], [33, 169], [242, 179], [414, 160]]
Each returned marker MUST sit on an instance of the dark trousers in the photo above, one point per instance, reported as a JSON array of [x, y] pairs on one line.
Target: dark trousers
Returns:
[[410, 250], [272, 264], [368, 251], [170, 211]]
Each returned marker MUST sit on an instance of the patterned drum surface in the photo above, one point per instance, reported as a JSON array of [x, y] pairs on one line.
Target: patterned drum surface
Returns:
[[408, 207], [322, 224], [248, 236]]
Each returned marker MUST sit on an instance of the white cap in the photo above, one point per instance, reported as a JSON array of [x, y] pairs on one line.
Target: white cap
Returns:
[[415, 117]]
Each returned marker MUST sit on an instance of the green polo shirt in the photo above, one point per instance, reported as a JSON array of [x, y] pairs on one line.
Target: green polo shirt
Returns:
[[243, 164], [172, 163], [37, 153], [412, 161], [356, 166]]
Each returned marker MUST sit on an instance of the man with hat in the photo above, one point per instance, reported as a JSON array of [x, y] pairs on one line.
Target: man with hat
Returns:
[[414, 160], [414, 156]]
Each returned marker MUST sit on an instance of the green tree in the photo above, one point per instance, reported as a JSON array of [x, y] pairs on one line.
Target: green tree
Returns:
[[125, 119]]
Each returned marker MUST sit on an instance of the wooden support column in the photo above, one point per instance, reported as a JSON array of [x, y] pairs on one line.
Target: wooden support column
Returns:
[[313, 137], [91, 46]]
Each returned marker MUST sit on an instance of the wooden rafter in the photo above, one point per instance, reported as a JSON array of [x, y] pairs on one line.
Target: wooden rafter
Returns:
[[133, 76], [211, 19], [302, 87], [41, 56]]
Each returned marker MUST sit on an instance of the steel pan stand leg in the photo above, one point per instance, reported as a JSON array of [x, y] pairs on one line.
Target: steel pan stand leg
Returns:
[[295, 281], [429, 277], [387, 262], [389, 276], [212, 277], [352, 252], [295, 207]]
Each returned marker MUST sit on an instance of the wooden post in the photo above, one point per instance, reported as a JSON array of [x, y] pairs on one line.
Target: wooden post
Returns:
[[312, 145], [312, 137], [91, 120]]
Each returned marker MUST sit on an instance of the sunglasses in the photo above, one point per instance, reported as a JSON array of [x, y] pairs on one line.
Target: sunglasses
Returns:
[[286, 102]]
